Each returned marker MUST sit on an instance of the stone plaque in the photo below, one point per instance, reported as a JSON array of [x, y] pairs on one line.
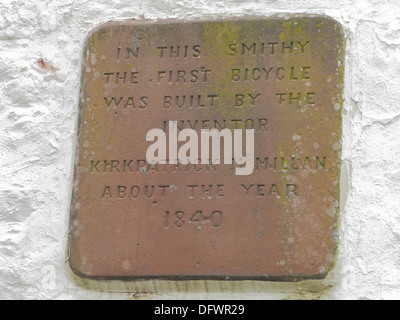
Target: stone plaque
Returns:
[[278, 79]]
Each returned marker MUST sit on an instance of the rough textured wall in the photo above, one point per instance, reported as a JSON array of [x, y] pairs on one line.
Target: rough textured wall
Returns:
[[41, 43]]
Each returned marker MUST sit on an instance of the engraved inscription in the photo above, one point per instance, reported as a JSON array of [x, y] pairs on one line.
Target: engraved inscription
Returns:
[[279, 79]]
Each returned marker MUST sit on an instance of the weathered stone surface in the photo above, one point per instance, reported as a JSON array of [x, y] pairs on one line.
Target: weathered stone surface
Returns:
[[282, 78]]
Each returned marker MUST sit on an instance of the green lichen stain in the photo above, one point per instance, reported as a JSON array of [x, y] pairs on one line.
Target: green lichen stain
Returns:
[[217, 37], [329, 36]]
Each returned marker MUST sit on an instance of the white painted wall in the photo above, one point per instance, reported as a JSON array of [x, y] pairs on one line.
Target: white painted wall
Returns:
[[38, 114]]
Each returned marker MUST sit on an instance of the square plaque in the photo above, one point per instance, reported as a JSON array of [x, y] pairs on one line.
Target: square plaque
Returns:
[[279, 78]]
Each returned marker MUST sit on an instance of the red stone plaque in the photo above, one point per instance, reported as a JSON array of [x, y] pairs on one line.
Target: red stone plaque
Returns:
[[281, 78]]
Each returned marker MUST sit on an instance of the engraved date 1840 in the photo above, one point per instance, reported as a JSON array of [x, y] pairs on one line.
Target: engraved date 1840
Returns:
[[178, 219]]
